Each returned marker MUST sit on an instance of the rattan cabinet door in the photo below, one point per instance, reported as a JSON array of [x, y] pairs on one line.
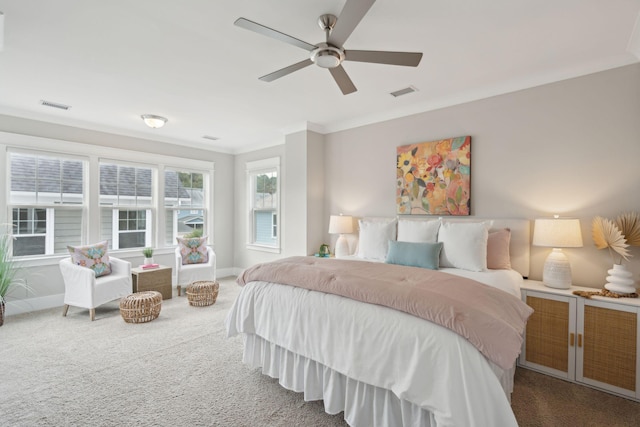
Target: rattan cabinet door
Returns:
[[550, 334], [608, 343]]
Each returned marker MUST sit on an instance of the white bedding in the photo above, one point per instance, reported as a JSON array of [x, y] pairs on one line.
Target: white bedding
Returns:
[[421, 363]]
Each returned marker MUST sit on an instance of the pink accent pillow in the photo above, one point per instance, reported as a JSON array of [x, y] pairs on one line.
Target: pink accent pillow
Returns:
[[498, 250], [95, 257], [193, 250]]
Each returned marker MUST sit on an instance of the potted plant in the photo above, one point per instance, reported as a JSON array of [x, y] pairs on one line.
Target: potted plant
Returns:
[[148, 256], [7, 273]]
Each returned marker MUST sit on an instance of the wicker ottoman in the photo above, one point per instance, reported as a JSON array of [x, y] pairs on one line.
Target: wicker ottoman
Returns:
[[141, 307], [202, 293]]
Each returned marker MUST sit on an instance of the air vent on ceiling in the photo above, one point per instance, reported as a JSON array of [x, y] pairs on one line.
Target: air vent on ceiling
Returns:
[[212, 138], [54, 105], [404, 91]]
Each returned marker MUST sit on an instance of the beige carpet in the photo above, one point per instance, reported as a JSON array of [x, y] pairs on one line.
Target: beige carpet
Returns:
[[180, 370]]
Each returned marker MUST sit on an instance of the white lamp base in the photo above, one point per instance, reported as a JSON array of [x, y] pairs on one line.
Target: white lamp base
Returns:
[[557, 270], [342, 247]]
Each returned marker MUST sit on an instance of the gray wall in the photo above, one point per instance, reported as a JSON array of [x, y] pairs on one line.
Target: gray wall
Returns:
[[570, 148]]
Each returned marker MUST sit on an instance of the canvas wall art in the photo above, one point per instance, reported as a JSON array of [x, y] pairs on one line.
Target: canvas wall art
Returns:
[[434, 178]]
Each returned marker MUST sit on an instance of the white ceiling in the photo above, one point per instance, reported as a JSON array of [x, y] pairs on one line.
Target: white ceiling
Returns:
[[185, 60]]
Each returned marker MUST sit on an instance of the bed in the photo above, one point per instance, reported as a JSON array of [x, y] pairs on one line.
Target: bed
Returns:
[[383, 365]]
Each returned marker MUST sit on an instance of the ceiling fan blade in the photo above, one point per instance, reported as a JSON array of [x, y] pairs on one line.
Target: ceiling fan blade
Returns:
[[409, 59], [269, 32], [342, 79], [286, 70], [351, 15]]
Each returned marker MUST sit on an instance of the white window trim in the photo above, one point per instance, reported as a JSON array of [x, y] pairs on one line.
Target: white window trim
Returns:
[[5, 193], [93, 155], [115, 224], [254, 168], [207, 208]]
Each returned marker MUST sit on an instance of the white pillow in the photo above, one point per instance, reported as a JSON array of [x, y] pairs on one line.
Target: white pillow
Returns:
[[464, 245], [411, 230], [375, 234]]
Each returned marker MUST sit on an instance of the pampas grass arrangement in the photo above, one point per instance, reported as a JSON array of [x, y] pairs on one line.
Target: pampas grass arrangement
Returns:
[[617, 235]]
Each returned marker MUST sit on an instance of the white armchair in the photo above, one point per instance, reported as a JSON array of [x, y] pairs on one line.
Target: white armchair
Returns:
[[188, 273], [83, 289]]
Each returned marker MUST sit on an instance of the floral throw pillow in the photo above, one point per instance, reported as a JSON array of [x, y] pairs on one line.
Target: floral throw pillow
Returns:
[[95, 257], [193, 250]]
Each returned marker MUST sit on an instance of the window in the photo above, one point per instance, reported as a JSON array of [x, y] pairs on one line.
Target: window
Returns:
[[264, 204], [126, 201], [55, 199], [46, 200], [184, 203]]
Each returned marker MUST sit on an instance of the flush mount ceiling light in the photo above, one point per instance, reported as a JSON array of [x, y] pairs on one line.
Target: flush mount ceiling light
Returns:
[[154, 121]]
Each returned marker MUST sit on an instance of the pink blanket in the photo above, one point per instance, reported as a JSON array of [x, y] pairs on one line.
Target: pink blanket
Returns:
[[491, 319]]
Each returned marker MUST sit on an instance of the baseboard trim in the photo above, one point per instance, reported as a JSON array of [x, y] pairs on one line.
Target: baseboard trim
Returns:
[[34, 304], [28, 305]]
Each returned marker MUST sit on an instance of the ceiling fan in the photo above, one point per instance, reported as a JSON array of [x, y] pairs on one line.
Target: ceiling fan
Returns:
[[331, 54]]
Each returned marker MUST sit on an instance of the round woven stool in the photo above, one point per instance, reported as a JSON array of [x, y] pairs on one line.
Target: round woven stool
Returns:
[[202, 293], [141, 307]]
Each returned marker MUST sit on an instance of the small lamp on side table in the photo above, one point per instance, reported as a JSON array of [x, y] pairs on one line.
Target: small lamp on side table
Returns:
[[557, 233], [341, 224]]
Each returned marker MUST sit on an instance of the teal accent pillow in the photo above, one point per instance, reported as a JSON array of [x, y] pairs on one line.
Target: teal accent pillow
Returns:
[[414, 254]]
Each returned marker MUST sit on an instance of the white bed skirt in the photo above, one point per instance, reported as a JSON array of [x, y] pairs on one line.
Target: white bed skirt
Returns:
[[363, 405]]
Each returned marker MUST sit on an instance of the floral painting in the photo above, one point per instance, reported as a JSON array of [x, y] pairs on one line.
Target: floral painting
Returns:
[[434, 178]]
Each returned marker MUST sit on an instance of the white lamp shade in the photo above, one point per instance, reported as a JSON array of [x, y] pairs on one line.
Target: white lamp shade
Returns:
[[340, 224], [557, 233]]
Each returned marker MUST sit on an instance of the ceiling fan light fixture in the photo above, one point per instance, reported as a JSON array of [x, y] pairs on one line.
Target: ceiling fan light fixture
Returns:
[[154, 121], [327, 57]]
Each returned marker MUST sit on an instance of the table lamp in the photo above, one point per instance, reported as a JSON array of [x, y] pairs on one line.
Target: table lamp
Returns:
[[341, 224], [557, 233]]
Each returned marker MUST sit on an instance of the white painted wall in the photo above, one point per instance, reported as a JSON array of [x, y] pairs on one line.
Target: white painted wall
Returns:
[[570, 148]]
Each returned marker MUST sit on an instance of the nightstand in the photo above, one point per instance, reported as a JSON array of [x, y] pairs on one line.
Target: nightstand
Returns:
[[589, 341]]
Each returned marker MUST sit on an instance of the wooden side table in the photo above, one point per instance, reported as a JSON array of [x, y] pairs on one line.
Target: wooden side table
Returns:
[[152, 279]]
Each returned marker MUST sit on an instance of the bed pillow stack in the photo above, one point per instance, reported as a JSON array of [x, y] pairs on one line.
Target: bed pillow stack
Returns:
[[434, 243]]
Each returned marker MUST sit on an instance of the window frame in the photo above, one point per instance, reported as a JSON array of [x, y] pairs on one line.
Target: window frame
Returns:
[[50, 207], [117, 206], [206, 208], [89, 213], [253, 170]]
